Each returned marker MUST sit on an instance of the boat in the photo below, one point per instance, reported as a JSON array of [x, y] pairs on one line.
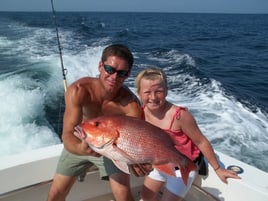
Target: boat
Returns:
[[27, 176]]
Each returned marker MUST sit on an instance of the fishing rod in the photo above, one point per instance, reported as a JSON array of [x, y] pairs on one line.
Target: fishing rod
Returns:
[[64, 70]]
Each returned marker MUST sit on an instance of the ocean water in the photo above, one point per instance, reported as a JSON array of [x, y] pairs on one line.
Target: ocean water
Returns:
[[217, 66]]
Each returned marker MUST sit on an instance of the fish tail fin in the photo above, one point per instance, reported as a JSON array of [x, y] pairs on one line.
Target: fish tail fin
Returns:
[[166, 168], [186, 170]]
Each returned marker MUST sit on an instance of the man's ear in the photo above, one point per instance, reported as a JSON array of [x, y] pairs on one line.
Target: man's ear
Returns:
[[100, 65]]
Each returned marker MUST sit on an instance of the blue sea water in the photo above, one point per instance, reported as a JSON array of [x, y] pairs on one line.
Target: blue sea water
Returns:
[[217, 66]]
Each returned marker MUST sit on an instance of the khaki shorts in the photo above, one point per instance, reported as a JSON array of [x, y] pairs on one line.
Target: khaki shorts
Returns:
[[75, 165]]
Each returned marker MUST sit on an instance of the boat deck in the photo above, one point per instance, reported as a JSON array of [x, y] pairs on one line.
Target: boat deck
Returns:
[[194, 194], [96, 191]]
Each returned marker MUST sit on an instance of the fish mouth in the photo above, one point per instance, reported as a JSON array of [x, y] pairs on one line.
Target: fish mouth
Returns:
[[80, 133], [103, 146]]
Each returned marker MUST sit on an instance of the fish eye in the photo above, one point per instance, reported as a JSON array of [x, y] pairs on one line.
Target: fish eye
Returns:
[[97, 123]]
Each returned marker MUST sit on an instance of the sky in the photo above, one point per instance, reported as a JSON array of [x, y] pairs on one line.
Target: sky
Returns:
[[192, 6]]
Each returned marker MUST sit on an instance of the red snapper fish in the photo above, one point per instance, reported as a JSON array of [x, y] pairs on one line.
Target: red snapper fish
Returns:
[[129, 140]]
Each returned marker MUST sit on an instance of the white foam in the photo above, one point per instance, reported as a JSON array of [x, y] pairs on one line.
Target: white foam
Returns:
[[20, 108], [231, 127], [23, 123], [82, 64]]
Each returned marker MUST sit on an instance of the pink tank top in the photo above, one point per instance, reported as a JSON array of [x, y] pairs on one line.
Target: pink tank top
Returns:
[[182, 142]]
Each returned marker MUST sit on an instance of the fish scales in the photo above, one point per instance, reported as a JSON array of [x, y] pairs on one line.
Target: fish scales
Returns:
[[129, 140]]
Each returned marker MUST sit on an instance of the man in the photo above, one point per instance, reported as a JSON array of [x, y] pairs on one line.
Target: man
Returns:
[[89, 98]]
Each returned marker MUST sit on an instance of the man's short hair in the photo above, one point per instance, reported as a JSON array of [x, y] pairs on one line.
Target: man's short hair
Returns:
[[118, 50]]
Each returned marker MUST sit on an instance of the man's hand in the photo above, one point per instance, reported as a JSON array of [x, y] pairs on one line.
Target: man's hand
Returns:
[[140, 170], [84, 149]]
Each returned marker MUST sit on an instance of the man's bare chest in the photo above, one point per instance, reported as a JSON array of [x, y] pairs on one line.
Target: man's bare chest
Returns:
[[97, 109]]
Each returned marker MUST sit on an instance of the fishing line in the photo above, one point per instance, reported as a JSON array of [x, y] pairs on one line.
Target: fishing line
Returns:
[[64, 70]]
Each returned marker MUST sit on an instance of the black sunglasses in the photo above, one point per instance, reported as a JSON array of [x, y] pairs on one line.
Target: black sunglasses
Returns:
[[111, 70]]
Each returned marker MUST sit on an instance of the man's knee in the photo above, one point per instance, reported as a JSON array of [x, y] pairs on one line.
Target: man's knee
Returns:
[[120, 179], [120, 185], [56, 195], [60, 187]]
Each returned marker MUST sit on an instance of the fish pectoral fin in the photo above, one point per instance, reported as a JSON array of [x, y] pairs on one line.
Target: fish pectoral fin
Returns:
[[124, 155], [166, 168], [123, 166]]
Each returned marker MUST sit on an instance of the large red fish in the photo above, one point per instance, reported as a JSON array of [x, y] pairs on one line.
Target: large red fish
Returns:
[[128, 140]]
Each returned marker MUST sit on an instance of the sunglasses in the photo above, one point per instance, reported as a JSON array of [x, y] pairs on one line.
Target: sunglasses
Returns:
[[111, 70]]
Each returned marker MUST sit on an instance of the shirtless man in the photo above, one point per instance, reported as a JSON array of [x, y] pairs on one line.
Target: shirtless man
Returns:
[[89, 98]]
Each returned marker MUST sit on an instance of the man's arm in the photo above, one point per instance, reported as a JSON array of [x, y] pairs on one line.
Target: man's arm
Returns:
[[73, 115], [133, 106]]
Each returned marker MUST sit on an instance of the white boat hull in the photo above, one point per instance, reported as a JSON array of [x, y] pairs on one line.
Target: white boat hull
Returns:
[[27, 177]]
